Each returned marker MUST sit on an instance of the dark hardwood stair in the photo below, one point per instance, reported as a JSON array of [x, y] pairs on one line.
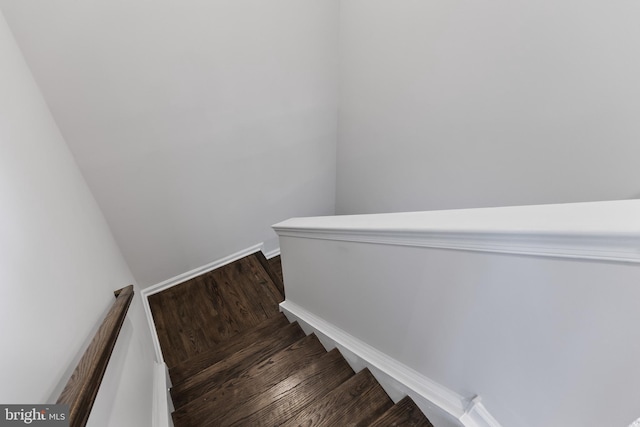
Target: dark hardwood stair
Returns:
[[404, 413], [234, 365], [273, 267], [356, 402], [267, 372], [201, 361]]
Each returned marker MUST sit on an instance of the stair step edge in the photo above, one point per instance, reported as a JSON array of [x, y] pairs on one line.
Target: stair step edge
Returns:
[[287, 398], [195, 364], [404, 413], [342, 406], [266, 374], [235, 365]]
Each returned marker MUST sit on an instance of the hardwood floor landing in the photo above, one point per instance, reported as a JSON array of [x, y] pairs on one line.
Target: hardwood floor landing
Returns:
[[194, 316]]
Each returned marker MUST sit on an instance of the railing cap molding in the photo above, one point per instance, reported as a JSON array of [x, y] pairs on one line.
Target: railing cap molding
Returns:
[[594, 230]]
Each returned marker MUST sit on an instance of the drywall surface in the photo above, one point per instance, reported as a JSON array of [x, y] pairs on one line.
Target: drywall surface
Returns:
[[453, 104], [543, 341], [196, 124], [59, 263]]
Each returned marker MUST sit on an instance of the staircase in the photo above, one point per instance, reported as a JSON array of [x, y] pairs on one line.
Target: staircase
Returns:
[[234, 360]]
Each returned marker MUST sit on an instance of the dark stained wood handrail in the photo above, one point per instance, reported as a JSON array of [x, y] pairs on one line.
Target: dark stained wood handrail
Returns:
[[82, 388]]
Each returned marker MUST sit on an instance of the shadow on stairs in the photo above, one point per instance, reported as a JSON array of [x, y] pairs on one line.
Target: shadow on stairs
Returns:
[[234, 360]]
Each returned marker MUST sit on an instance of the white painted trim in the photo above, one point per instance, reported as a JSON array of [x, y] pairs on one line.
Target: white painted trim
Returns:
[[592, 247], [152, 327], [181, 278], [469, 414], [272, 253], [477, 415], [607, 231], [161, 406]]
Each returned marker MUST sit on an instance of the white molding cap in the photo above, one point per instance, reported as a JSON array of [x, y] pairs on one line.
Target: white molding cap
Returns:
[[608, 231]]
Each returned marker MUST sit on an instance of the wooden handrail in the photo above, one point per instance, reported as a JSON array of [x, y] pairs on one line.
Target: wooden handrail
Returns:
[[82, 388]]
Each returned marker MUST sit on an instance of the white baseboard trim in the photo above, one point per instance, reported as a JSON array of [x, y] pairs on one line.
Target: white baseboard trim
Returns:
[[181, 278], [152, 327], [424, 391], [272, 253]]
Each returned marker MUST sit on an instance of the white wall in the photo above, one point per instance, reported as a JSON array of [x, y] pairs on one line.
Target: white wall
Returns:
[[544, 341], [59, 263], [450, 103], [196, 124]]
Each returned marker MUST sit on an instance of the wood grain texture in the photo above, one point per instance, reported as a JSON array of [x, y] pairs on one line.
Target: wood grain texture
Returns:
[[221, 400], [273, 267], [225, 349], [290, 396], [82, 388], [276, 266], [232, 366], [356, 402], [405, 413], [195, 316]]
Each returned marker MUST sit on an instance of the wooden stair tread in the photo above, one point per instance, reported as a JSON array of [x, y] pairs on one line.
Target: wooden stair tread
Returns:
[[262, 293], [273, 268], [289, 396], [252, 382], [225, 349], [248, 292], [405, 413], [356, 402], [276, 266], [235, 364], [196, 315]]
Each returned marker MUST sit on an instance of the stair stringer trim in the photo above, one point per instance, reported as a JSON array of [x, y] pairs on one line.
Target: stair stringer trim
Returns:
[[162, 405], [395, 377]]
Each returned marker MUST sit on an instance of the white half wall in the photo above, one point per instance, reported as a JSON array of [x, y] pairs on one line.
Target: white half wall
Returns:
[[455, 104], [59, 264], [543, 340], [196, 124]]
